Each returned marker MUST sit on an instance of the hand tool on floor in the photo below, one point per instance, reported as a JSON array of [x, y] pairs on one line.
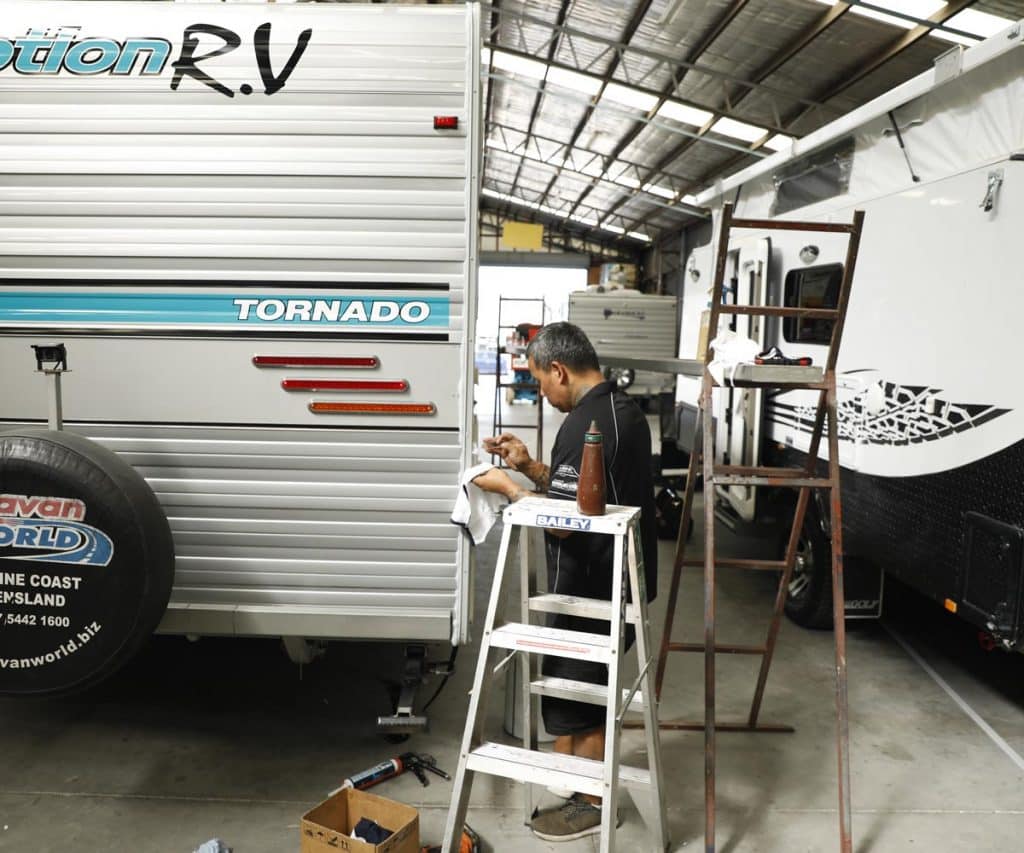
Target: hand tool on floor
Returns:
[[415, 762]]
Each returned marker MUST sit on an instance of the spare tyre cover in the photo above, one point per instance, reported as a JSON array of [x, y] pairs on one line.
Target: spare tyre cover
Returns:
[[86, 562]]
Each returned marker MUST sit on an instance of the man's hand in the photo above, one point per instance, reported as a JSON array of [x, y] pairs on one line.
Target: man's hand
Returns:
[[511, 450], [496, 480]]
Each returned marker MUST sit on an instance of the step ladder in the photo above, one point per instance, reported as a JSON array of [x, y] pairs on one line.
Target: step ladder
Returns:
[[804, 479], [526, 764]]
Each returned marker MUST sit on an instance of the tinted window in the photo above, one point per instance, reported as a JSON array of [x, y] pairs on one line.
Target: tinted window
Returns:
[[812, 287]]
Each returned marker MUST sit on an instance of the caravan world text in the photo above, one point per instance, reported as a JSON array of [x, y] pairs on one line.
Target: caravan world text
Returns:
[[56, 50]]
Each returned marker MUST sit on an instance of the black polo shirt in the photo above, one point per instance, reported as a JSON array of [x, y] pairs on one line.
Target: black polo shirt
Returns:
[[584, 560]]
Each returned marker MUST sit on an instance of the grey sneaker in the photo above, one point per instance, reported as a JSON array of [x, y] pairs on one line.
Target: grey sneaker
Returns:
[[575, 819]]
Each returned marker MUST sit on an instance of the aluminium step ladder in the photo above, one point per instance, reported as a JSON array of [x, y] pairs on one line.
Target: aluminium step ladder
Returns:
[[525, 763], [703, 463]]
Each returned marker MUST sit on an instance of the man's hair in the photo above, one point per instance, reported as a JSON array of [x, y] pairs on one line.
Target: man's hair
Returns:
[[565, 343]]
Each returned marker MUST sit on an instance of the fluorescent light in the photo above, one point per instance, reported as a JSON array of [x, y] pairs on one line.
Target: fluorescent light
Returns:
[[518, 65], [654, 189], [573, 80], [779, 142], [737, 129], [629, 97], [485, 57], [689, 199], [627, 181], [684, 113], [639, 235], [613, 228], [981, 24]]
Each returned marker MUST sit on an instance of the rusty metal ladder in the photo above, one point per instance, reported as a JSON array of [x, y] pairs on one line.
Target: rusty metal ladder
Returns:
[[804, 479]]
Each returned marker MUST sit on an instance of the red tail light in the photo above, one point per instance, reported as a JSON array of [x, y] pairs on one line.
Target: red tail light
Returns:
[[345, 385], [315, 361]]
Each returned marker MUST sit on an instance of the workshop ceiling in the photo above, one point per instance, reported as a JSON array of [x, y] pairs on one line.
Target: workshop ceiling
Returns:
[[606, 117]]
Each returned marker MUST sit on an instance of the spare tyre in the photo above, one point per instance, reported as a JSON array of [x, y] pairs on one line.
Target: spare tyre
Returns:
[[86, 562]]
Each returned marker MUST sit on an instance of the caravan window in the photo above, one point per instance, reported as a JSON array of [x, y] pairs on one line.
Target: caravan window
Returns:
[[816, 177], [813, 287]]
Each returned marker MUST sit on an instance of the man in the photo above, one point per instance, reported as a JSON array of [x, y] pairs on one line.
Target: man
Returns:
[[564, 363]]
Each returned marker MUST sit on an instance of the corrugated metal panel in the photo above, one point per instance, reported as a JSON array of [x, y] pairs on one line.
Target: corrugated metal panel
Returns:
[[200, 177], [293, 517]]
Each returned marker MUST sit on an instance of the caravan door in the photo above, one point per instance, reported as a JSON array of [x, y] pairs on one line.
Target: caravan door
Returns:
[[739, 409]]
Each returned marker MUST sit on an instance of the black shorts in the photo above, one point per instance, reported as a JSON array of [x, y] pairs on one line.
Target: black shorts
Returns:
[[565, 716]]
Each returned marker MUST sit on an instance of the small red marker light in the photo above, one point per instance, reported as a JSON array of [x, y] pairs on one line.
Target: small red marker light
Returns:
[[446, 122]]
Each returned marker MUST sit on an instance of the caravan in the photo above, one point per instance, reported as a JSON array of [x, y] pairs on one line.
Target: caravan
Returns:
[[252, 228], [931, 410]]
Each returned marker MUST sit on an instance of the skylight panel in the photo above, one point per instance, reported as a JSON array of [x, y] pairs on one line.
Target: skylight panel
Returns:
[[518, 65], [917, 8], [778, 142], [981, 24], [737, 129], [685, 114], [627, 96], [573, 80], [654, 189]]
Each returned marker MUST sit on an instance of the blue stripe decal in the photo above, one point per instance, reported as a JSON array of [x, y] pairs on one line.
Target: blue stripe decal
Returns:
[[76, 308]]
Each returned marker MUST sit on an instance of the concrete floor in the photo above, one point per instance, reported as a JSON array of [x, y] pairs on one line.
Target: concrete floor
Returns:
[[227, 738]]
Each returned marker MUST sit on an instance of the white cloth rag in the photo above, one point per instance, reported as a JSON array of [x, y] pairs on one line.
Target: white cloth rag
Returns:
[[731, 350], [476, 510]]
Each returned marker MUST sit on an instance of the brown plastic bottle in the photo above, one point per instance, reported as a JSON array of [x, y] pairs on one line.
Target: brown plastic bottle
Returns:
[[590, 493]]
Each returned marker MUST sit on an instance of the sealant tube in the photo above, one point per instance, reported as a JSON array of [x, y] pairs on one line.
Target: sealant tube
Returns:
[[373, 775]]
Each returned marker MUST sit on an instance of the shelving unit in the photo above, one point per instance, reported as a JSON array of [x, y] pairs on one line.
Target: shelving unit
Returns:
[[526, 311]]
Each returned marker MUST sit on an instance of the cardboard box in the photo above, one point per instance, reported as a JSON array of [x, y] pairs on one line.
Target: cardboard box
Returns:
[[328, 827]]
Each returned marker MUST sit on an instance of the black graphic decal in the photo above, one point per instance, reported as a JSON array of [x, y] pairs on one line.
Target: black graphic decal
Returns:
[[186, 64], [910, 414], [271, 83]]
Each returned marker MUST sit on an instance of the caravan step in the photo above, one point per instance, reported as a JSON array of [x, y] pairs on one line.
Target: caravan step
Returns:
[[578, 645], [574, 605], [581, 691], [550, 768]]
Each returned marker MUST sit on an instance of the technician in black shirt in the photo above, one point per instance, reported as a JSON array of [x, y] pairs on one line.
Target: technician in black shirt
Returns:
[[563, 361]]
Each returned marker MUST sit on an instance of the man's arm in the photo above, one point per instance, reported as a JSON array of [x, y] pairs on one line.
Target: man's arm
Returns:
[[514, 453]]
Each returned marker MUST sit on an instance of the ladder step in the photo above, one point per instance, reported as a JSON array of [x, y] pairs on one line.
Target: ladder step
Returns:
[[581, 691], [550, 768], [765, 565], [785, 482], [577, 645], [776, 376], [719, 649], [574, 605]]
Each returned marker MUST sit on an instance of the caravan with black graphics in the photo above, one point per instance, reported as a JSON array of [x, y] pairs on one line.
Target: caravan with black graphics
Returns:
[[248, 231], [931, 406]]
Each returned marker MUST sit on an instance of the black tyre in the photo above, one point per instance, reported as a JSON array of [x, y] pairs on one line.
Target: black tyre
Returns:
[[88, 562], [809, 597], [623, 377]]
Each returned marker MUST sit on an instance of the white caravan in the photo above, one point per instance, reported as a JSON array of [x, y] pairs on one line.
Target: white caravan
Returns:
[[253, 229], [931, 407], [624, 322]]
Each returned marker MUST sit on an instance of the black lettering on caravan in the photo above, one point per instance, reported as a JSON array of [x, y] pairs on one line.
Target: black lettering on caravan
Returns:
[[272, 84], [185, 65]]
